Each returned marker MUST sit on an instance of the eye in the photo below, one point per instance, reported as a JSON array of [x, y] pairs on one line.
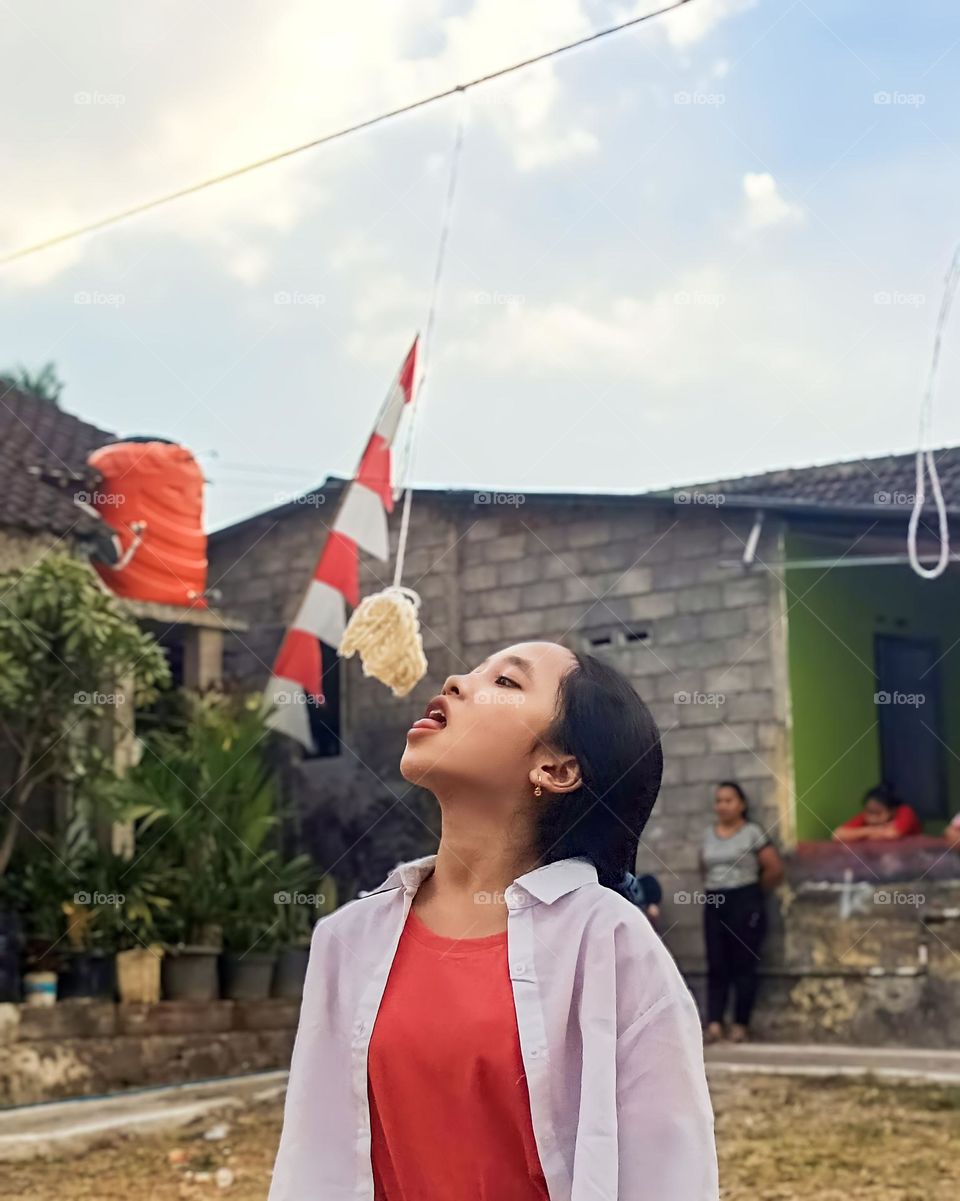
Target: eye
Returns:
[[509, 681]]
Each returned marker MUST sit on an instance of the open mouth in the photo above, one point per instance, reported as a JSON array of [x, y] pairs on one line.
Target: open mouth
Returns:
[[434, 718]]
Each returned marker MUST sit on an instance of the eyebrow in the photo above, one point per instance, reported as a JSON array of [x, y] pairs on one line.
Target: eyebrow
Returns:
[[517, 661]]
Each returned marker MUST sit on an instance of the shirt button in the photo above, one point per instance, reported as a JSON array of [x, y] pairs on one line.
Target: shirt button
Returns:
[[359, 1027], [519, 968]]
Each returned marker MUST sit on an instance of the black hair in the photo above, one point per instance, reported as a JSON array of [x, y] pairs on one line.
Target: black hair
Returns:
[[885, 795], [601, 721], [744, 800]]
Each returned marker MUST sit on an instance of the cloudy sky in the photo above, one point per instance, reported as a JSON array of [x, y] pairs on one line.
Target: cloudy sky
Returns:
[[712, 245]]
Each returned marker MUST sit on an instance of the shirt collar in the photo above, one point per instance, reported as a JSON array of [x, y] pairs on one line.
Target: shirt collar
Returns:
[[548, 883]]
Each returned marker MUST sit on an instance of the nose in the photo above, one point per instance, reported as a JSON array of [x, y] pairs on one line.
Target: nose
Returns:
[[452, 685]]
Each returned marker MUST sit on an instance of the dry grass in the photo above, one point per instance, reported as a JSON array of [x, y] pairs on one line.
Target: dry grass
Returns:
[[795, 1139], [780, 1139]]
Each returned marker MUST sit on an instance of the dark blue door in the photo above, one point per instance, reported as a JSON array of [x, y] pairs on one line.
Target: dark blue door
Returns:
[[911, 725]]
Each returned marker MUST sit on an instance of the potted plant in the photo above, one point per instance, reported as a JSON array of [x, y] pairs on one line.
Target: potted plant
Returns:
[[209, 778], [298, 912], [192, 936], [41, 878], [251, 923], [87, 967]]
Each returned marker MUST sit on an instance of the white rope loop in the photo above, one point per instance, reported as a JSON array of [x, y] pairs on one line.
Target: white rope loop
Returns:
[[925, 462]]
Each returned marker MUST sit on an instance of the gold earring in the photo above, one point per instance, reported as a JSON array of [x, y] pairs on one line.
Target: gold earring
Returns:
[[538, 791]]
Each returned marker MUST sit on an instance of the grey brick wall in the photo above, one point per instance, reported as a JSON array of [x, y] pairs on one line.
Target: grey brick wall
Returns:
[[712, 664]]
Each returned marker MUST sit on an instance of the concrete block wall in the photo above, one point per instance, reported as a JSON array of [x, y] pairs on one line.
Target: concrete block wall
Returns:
[[711, 661], [77, 1048]]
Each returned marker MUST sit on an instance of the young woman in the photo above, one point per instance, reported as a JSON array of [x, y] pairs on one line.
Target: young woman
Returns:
[[495, 1022], [883, 816], [738, 863]]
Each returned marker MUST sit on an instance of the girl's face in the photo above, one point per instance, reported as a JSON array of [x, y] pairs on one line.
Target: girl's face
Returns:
[[875, 812], [489, 719], [728, 805]]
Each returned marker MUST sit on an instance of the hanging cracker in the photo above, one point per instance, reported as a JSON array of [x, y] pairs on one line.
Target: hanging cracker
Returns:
[[385, 630]]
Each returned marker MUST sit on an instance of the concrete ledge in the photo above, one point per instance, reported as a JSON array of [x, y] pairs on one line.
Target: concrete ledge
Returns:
[[73, 1127], [79, 1048]]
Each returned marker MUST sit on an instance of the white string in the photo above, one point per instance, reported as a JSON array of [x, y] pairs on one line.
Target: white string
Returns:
[[406, 471], [925, 460]]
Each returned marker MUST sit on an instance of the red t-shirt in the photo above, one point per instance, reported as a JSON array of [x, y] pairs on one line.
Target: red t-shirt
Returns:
[[904, 819], [449, 1110]]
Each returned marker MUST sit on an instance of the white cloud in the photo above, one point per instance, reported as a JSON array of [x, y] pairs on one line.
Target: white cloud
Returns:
[[647, 339], [694, 22], [764, 204], [197, 95]]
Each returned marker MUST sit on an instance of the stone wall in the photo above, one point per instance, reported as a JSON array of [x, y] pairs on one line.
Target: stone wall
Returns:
[[705, 648], [866, 964], [20, 550], [77, 1048]]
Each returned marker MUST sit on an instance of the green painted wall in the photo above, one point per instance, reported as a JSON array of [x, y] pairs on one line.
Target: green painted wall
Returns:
[[836, 748]]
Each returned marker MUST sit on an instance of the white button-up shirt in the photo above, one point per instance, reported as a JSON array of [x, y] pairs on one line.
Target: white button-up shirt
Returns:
[[609, 1034]]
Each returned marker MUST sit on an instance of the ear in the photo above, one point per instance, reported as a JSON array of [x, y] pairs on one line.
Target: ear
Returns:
[[559, 774]]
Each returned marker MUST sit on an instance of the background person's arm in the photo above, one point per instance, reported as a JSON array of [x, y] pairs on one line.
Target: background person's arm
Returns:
[[885, 830], [771, 866], [852, 830]]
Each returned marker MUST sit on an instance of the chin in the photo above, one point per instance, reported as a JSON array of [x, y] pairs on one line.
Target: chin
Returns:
[[414, 766]]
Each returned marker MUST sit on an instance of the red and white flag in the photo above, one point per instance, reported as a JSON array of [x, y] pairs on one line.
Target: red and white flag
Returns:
[[361, 523]]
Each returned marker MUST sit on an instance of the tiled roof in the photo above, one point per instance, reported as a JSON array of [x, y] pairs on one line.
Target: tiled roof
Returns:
[[36, 433], [886, 482], [885, 485]]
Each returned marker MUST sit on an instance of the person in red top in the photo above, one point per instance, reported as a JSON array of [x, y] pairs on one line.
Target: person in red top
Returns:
[[883, 816]]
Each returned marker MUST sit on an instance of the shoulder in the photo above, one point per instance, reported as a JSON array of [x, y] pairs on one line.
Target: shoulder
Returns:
[[356, 917], [619, 943], [758, 837]]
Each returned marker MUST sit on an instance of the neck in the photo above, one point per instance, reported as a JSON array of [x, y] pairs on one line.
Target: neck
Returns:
[[483, 849]]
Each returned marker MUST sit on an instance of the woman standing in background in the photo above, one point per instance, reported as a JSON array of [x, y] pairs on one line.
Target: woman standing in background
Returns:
[[739, 863]]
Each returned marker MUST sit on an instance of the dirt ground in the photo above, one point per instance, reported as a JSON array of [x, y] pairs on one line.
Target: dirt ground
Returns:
[[780, 1139]]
